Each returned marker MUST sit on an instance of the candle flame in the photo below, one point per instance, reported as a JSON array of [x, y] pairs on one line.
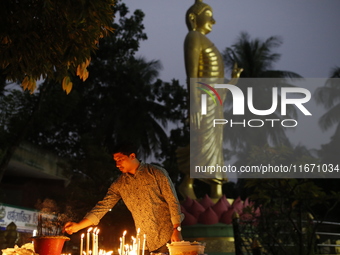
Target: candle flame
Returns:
[[97, 231], [124, 233], [103, 252], [82, 236], [89, 230]]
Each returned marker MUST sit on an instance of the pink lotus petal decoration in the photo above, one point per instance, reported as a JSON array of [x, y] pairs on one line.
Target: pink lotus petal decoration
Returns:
[[208, 217], [206, 202]]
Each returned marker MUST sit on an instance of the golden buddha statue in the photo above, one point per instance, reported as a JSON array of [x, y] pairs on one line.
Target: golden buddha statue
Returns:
[[203, 60]]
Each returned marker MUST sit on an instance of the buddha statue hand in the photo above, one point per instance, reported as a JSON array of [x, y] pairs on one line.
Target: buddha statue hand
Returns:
[[235, 74]]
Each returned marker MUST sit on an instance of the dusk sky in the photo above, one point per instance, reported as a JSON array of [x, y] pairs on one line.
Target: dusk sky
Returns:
[[309, 30]]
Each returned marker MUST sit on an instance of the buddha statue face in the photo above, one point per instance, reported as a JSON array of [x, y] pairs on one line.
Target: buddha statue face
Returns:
[[205, 21], [199, 17]]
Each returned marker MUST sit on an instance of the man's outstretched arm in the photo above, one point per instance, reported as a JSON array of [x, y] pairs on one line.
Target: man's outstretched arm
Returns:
[[73, 227]]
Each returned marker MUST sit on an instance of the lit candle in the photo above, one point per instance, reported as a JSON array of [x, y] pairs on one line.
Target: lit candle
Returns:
[[94, 242], [34, 234], [81, 244], [123, 242], [138, 241], [88, 241], [120, 250], [134, 243], [144, 243], [97, 242], [126, 249]]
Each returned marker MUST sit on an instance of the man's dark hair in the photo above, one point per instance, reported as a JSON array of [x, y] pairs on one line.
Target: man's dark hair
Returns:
[[125, 148]]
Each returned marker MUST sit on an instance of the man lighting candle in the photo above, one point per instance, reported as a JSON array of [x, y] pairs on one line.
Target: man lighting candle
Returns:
[[148, 193]]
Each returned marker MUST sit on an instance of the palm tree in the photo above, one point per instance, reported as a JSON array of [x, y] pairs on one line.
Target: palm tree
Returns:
[[256, 57], [329, 97]]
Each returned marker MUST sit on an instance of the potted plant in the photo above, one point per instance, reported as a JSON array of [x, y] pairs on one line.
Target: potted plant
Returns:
[[49, 239]]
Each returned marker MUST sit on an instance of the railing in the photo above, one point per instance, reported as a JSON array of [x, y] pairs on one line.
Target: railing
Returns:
[[328, 242], [246, 239]]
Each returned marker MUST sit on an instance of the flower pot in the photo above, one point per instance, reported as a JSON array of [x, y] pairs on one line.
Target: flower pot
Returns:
[[49, 245]]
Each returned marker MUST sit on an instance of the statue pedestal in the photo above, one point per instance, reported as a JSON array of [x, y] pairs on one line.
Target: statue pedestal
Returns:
[[219, 238]]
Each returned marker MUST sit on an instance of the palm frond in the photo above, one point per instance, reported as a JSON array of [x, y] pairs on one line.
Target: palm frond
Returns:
[[327, 96], [330, 118]]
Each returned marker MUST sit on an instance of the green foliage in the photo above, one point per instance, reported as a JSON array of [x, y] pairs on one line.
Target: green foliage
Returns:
[[122, 99], [291, 210], [45, 38], [280, 155], [17, 108]]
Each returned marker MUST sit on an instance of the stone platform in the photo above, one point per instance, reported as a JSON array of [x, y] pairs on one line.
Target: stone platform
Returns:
[[219, 238]]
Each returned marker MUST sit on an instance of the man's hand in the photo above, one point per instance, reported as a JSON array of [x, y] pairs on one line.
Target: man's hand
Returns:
[[73, 227], [176, 236], [70, 228]]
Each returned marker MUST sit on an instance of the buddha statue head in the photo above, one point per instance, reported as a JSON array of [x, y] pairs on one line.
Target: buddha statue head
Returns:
[[198, 16]]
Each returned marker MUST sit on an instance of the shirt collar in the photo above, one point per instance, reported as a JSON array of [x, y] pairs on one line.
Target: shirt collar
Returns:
[[139, 168]]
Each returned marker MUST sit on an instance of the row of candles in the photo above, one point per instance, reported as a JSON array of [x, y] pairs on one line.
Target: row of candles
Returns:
[[100, 252], [92, 245], [91, 239], [135, 248]]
